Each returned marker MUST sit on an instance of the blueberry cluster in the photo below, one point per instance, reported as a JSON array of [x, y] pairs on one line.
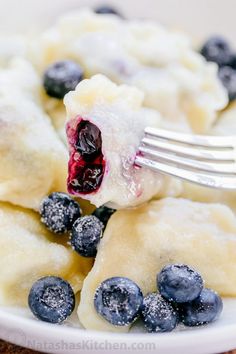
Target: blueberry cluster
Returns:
[[181, 298], [51, 299], [219, 51], [60, 214], [183, 287]]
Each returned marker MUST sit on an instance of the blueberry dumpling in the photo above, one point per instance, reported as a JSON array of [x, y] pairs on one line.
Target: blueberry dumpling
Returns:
[[105, 125], [33, 159], [28, 251], [176, 80], [139, 242], [55, 109]]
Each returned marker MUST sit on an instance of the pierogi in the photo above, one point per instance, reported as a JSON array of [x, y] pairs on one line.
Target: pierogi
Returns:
[[33, 159], [138, 242], [176, 80], [28, 252], [119, 114]]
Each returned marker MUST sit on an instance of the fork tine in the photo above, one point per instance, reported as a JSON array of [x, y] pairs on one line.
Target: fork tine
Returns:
[[204, 179], [200, 154], [196, 140], [219, 168]]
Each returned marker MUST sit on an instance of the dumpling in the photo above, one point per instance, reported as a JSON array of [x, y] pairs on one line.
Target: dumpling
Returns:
[[33, 160], [28, 251], [104, 129], [137, 243], [175, 80]]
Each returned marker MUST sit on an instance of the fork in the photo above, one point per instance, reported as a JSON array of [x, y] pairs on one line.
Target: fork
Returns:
[[205, 160]]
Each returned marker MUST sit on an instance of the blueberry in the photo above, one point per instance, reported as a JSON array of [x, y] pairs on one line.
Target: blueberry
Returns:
[[204, 309], [104, 213], [59, 211], [118, 300], [179, 283], [158, 314], [86, 234], [51, 299], [106, 9], [227, 76], [89, 140], [62, 77], [217, 49]]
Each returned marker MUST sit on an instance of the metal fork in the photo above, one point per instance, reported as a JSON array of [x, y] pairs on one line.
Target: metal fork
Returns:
[[206, 160]]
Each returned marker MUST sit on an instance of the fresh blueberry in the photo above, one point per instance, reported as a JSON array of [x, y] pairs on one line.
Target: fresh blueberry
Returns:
[[179, 283], [217, 49], [158, 314], [104, 213], [204, 309], [89, 140], [59, 211], [62, 77], [51, 299], [118, 300], [227, 76], [86, 234], [106, 9]]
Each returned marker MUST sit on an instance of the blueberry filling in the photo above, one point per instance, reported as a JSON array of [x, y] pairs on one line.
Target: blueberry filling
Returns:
[[87, 164], [88, 178], [89, 141]]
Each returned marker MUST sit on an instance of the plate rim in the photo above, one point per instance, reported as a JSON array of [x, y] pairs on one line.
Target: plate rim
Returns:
[[216, 339]]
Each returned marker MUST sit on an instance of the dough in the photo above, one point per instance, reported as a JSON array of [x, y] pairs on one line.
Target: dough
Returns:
[[137, 243], [33, 159], [28, 252], [175, 80], [119, 114]]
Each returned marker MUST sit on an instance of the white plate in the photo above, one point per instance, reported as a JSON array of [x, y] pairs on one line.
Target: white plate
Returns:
[[17, 325]]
